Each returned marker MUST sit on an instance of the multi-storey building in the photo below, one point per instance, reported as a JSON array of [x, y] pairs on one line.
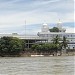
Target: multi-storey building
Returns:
[[45, 33], [45, 36]]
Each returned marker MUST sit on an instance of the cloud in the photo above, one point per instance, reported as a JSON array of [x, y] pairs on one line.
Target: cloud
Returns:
[[70, 30], [13, 13]]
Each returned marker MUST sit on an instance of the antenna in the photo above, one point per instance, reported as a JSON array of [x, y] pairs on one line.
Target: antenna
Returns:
[[25, 27]]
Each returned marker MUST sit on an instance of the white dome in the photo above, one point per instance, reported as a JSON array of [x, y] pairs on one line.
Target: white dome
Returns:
[[45, 24], [45, 28]]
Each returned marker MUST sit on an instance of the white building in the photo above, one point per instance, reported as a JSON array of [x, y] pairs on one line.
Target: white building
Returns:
[[45, 33], [46, 36]]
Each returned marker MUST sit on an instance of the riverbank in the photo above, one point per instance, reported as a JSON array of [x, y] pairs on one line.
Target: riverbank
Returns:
[[48, 55], [31, 54]]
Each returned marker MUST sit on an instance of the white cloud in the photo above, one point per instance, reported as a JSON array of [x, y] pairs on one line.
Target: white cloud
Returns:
[[67, 17], [14, 13], [30, 17], [70, 30]]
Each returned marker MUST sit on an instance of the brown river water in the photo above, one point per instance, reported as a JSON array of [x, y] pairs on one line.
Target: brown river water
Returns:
[[60, 65]]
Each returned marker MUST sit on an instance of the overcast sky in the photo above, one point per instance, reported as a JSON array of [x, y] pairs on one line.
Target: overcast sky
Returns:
[[14, 13]]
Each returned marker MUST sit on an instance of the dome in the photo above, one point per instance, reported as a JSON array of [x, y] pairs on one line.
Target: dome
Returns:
[[45, 28], [44, 24]]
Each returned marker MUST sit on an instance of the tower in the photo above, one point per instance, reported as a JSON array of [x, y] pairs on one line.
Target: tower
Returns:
[[59, 25], [45, 28]]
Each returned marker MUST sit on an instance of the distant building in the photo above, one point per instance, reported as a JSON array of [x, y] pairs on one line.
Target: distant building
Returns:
[[50, 35], [45, 36]]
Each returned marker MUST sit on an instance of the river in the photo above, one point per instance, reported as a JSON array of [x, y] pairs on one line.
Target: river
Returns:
[[60, 65]]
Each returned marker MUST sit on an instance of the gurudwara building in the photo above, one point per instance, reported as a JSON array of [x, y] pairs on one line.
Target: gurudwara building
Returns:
[[45, 36]]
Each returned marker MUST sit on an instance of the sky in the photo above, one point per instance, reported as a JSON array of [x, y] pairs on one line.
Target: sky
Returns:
[[28, 16]]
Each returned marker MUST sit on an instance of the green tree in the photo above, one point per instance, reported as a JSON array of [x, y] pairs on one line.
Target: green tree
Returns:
[[64, 43], [4, 45], [46, 48], [34, 47], [54, 29], [56, 40], [57, 43], [16, 46], [10, 46]]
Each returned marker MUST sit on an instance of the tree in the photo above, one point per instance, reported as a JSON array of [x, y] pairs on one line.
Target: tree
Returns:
[[64, 43], [46, 47], [10, 46], [4, 45], [54, 29], [34, 47], [16, 46], [56, 40]]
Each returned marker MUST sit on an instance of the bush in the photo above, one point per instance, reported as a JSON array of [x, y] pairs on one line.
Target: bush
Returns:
[[10, 46], [48, 47]]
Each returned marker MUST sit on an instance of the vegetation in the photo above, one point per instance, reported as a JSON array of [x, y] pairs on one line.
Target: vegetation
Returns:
[[56, 40], [11, 46], [46, 48], [50, 47], [54, 29], [64, 43]]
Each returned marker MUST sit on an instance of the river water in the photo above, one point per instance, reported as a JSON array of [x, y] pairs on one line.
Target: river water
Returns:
[[60, 65]]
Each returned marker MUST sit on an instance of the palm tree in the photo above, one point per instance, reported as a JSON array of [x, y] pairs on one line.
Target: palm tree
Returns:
[[56, 40], [64, 43], [57, 43]]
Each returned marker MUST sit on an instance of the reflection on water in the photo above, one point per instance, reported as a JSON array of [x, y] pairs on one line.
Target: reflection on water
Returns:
[[37, 65]]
